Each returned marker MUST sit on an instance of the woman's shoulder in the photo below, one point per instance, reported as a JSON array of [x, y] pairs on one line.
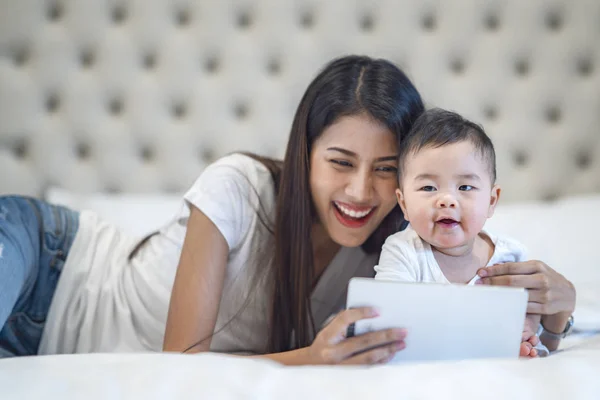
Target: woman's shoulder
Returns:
[[239, 160], [234, 173], [242, 169], [233, 192]]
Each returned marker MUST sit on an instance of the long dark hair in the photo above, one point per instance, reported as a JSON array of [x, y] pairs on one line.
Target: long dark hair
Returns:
[[347, 86]]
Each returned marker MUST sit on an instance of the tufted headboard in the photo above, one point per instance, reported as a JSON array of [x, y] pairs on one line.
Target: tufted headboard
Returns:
[[139, 95]]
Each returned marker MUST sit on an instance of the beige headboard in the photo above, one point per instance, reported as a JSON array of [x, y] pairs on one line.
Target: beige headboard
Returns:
[[140, 95]]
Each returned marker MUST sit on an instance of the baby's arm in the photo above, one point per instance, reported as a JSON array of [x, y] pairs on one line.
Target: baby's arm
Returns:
[[395, 261]]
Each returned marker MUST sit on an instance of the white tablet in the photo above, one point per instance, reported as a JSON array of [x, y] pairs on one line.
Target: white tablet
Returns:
[[444, 322]]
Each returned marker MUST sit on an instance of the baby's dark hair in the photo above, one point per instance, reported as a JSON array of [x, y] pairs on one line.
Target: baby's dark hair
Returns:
[[436, 128]]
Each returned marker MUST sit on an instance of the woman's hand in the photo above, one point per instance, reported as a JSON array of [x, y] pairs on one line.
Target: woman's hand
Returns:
[[550, 294], [331, 346]]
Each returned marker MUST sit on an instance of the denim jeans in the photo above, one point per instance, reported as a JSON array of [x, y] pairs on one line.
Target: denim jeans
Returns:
[[35, 238]]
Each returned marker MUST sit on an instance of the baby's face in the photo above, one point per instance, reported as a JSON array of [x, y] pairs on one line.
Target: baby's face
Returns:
[[447, 194]]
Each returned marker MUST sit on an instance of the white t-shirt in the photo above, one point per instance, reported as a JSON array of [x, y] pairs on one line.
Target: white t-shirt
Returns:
[[107, 303], [405, 257]]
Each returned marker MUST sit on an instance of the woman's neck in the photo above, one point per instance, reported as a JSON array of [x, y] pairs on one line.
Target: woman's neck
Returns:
[[324, 249]]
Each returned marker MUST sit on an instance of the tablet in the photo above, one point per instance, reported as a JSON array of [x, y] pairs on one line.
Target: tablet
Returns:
[[444, 321]]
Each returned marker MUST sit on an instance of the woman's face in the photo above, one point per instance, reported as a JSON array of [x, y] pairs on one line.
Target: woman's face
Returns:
[[353, 178]]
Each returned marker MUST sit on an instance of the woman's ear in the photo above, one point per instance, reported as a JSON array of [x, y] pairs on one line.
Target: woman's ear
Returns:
[[402, 203], [494, 197]]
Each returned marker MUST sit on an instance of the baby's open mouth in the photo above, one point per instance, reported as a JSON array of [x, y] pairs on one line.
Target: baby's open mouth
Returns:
[[447, 222]]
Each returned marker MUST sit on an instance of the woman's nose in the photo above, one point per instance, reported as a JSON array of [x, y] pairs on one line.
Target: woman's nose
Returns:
[[360, 187]]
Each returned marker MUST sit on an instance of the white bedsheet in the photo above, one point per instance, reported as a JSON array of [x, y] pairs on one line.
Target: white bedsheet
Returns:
[[573, 373]]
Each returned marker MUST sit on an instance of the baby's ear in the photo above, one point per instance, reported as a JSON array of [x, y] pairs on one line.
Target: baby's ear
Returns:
[[494, 198], [402, 203]]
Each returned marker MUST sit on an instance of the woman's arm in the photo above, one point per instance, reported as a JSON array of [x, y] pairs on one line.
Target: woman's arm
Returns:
[[554, 323], [197, 293], [332, 347], [198, 286], [550, 293]]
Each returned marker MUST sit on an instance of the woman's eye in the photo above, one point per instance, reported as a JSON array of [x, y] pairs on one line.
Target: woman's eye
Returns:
[[342, 163], [466, 188], [387, 169], [427, 189]]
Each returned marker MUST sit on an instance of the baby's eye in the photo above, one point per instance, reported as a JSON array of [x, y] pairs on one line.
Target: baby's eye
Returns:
[[427, 189], [466, 188]]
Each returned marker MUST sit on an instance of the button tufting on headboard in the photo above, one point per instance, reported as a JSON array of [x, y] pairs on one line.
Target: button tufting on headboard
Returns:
[[492, 22], [83, 151], [183, 18], [119, 14], [55, 11], [428, 21], [87, 58], [141, 95], [522, 67], [20, 148], [554, 20], [52, 103]]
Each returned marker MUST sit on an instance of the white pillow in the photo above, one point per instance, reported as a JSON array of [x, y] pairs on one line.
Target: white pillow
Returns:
[[562, 235], [138, 214]]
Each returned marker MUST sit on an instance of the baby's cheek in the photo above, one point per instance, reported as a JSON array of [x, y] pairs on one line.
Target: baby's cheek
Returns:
[[474, 222], [421, 217], [422, 223]]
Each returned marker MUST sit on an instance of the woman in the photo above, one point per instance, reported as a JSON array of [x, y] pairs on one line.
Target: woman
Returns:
[[265, 249]]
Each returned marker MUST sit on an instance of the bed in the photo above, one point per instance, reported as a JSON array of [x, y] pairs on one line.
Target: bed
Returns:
[[117, 106]]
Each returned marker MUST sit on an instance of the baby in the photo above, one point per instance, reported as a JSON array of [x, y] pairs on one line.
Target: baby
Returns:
[[447, 191]]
